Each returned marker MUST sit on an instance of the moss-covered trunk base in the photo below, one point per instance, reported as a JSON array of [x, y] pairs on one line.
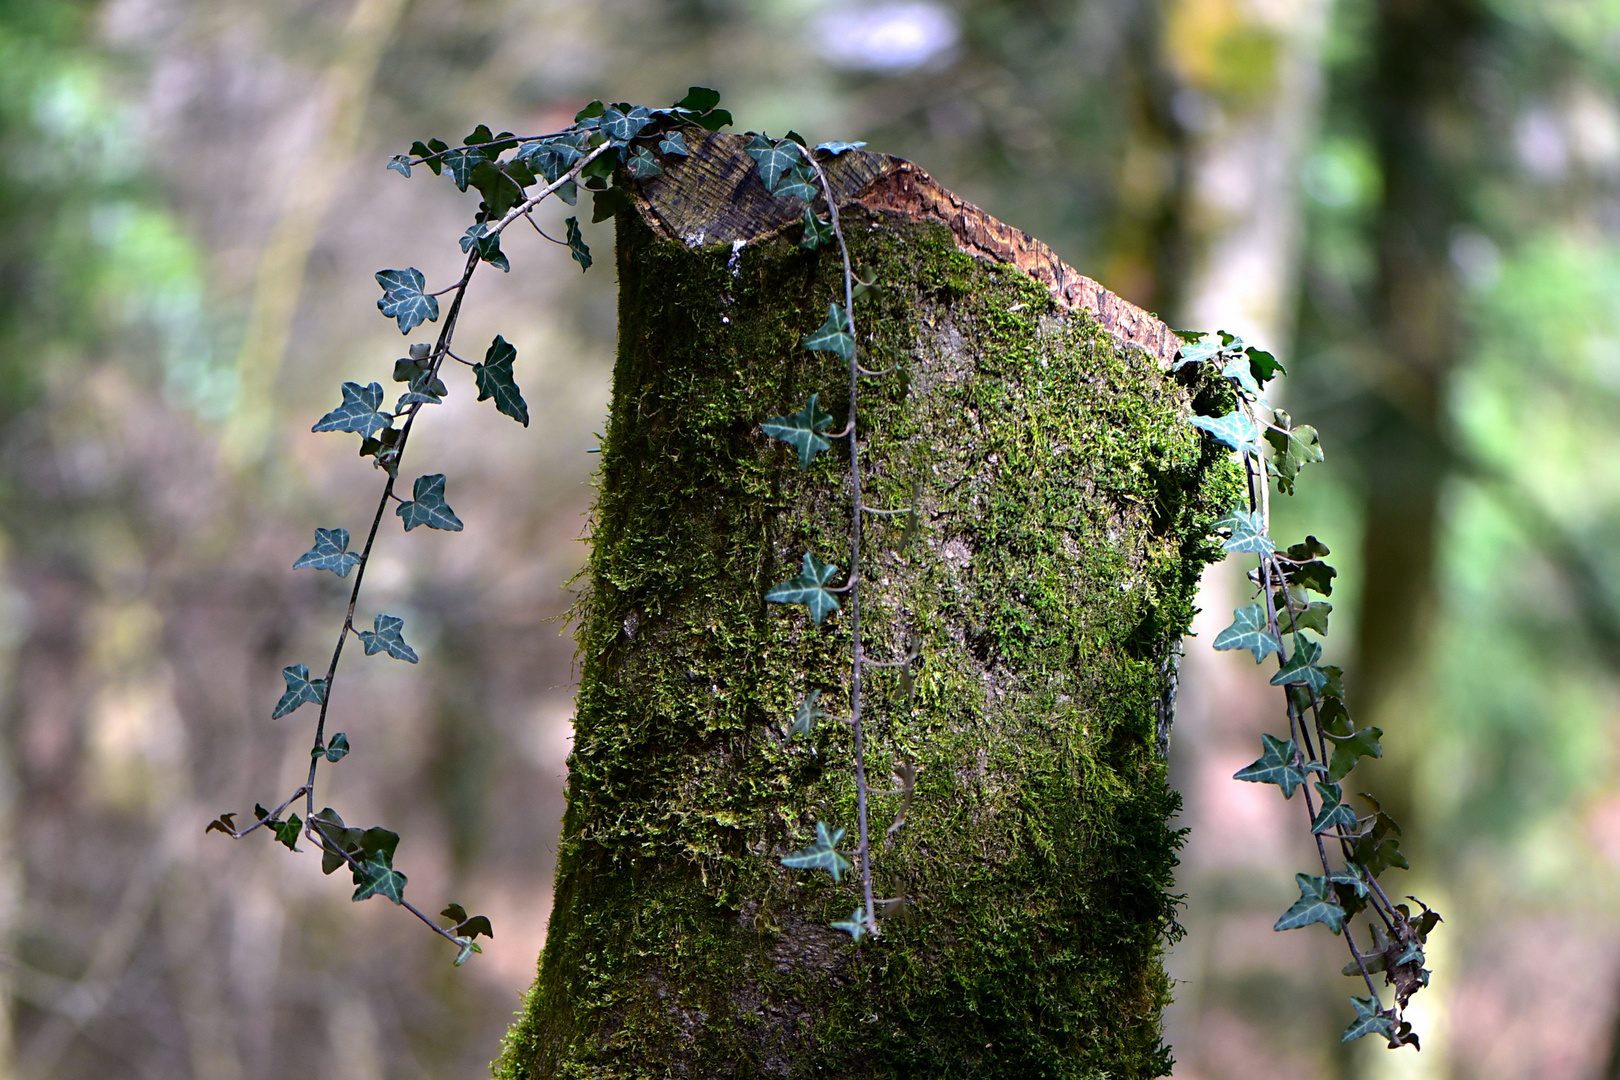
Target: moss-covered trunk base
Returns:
[[1062, 514]]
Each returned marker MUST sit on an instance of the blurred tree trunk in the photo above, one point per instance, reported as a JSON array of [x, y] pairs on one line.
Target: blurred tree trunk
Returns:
[[1419, 118], [1063, 513]]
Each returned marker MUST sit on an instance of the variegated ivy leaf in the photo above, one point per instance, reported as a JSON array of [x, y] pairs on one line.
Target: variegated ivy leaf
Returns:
[[799, 182], [300, 689], [808, 588], [495, 380], [1302, 668], [642, 164], [1249, 631], [1315, 905], [807, 713], [854, 926], [801, 430], [673, 144], [377, 877], [833, 336], [623, 126], [1237, 371], [405, 299], [836, 148], [1236, 429], [775, 159], [576, 244], [821, 854], [1334, 813], [336, 750], [816, 231], [331, 552], [461, 162], [1370, 1020], [1275, 766], [489, 245], [1195, 352], [361, 412], [386, 636], [428, 506], [1248, 532]]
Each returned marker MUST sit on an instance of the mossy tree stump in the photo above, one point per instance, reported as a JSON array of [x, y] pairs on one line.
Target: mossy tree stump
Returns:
[[1064, 507]]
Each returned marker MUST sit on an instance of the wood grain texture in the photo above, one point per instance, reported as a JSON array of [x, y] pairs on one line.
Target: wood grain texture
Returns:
[[715, 196]]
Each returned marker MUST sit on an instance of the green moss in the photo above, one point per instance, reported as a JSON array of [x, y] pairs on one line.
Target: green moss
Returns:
[[1065, 511]]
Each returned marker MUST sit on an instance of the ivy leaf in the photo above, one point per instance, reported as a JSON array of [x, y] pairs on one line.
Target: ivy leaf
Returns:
[[1248, 532], [1236, 429], [774, 159], [1275, 766], [1196, 352], [468, 947], [1306, 569], [1351, 878], [489, 245], [1315, 905], [550, 159], [1292, 451], [331, 552], [1248, 631], [428, 507], [800, 182], [576, 244], [816, 231], [606, 204], [1237, 371], [300, 688], [225, 823], [425, 389], [360, 412], [1313, 616], [807, 713], [623, 126], [461, 162], [401, 163], [1334, 812], [854, 926], [495, 380], [1302, 669], [809, 589], [385, 636], [821, 854], [642, 164], [673, 144], [338, 748], [377, 877], [591, 112], [1262, 365], [836, 148], [699, 99], [833, 335], [801, 430], [1347, 751], [1369, 1020], [287, 832], [404, 298]]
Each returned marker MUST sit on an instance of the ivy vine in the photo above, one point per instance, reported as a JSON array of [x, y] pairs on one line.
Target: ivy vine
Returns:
[[1323, 743], [607, 149]]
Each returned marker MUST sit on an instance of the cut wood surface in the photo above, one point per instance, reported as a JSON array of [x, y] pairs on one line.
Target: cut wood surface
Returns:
[[715, 196]]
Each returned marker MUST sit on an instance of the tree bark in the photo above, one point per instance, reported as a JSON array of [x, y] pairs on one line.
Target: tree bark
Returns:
[[1063, 511]]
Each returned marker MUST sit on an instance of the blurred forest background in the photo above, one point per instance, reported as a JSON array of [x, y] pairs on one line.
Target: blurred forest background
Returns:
[[1416, 203]]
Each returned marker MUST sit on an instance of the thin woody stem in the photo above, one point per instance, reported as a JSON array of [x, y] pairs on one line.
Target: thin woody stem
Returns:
[[856, 653]]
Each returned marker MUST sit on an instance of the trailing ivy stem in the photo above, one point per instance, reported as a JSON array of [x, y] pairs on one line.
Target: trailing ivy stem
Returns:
[[441, 347], [1259, 491], [864, 852]]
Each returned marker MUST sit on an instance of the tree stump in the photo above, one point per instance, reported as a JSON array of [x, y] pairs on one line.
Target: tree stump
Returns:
[[1063, 508]]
